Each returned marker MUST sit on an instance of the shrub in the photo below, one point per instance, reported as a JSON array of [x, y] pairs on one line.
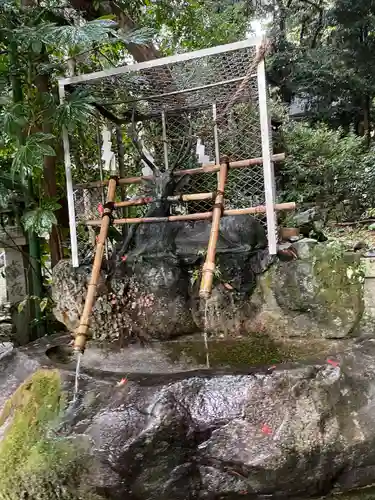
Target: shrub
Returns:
[[327, 167]]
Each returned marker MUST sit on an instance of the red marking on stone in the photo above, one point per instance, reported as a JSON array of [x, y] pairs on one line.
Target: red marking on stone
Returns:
[[149, 200], [333, 363], [124, 258], [100, 208], [228, 286], [123, 381], [266, 429], [244, 492], [273, 367]]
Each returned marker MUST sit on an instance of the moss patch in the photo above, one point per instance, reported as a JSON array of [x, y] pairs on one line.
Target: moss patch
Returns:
[[340, 279], [34, 462]]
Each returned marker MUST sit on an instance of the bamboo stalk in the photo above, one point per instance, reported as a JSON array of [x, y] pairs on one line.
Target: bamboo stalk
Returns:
[[205, 169], [209, 266], [177, 198], [208, 168], [82, 331], [261, 209]]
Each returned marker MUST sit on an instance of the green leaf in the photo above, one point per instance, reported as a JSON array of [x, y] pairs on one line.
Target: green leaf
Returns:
[[39, 221], [51, 204], [37, 46], [14, 119], [139, 36], [43, 304], [111, 17], [371, 227], [21, 306], [76, 110], [30, 155], [71, 36]]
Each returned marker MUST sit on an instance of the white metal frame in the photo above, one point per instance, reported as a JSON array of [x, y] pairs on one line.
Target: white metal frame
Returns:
[[69, 188], [265, 127], [268, 170], [161, 61]]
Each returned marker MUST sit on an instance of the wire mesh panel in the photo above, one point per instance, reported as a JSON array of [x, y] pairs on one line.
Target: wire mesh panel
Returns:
[[176, 113]]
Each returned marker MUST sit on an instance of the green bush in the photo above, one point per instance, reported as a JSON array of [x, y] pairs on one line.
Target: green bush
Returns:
[[328, 168]]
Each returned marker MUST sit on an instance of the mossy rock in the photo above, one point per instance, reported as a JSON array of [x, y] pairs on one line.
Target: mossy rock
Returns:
[[36, 463], [326, 287]]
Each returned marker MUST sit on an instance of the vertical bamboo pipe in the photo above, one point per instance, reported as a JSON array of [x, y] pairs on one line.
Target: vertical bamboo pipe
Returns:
[[209, 265], [82, 331]]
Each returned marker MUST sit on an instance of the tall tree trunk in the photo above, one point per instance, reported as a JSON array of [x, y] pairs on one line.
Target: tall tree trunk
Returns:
[[35, 274], [42, 83]]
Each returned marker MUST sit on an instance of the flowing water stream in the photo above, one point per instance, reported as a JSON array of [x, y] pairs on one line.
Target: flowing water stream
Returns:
[[205, 335], [76, 382]]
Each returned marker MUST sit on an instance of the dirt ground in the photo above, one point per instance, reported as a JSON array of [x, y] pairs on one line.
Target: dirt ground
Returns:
[[352, 235]]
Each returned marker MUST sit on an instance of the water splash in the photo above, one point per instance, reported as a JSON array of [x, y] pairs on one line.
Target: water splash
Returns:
[[205, 336], [76, 382]]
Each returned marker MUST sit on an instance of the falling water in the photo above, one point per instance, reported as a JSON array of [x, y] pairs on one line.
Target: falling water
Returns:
[[76, 383], [205, 337]]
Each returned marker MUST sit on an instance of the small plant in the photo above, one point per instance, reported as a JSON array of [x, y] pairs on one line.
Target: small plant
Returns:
[[46, 305]]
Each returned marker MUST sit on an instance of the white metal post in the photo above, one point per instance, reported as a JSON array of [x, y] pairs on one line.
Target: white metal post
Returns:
[[69, 189], [216, 135], [268, 171], [165, 143]]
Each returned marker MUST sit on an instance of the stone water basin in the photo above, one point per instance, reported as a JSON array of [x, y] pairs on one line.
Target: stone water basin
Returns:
[[241, 429], [188, 354]]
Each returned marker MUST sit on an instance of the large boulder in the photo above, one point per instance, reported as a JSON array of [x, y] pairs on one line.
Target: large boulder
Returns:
[[146, 298], [317, 295], [173, 431]]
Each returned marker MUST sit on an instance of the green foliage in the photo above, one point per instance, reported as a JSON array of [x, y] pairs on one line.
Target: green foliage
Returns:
[[196, 24], [323, 54], [82, 35], [41, 219], [30, 154], [328, 167], [13, 119], [75, 111]]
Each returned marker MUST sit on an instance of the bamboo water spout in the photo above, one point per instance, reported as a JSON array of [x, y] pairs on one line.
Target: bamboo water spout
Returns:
[[217, 211], [82, 331]]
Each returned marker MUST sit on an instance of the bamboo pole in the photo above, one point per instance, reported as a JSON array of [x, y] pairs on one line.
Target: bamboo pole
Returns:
[[209, 266], [205, 169], [261, 209], [82, 331], [177, 198]]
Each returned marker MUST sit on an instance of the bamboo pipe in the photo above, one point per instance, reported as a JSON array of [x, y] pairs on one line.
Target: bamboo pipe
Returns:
[[209, 265], [82, 331], [205, 169], [177, 198], [261, 209]]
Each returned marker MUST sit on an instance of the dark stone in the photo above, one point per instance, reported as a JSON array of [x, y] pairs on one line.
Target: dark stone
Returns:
[[321, 293], [304, 247], [311, 223], [177, 433]]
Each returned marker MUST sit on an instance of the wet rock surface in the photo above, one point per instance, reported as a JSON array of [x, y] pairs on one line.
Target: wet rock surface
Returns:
[[313, 290], [151, 291], [180, 431]]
